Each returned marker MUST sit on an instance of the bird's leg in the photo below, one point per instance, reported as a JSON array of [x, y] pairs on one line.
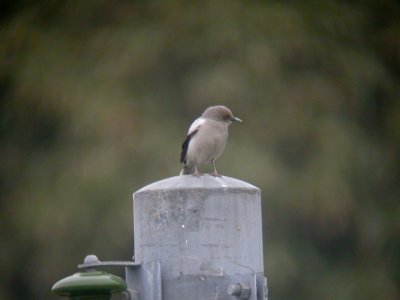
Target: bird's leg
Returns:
[[214, 173], [196, 172]]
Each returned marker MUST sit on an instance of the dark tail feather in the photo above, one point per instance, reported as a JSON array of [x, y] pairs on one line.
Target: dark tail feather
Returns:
[[185, 146], [188, 168]]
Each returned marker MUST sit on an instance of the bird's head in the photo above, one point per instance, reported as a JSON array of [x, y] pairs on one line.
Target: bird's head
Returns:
[[220, 113]]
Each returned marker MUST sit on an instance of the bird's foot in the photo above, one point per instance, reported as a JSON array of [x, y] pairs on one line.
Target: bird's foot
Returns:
[[215, 174], [197, 174]]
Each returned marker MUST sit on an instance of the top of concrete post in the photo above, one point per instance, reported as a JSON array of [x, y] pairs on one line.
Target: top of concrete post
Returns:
[[201, 182]]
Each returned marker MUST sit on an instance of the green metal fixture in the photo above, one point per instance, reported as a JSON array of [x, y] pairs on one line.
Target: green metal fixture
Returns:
[[91, 284]]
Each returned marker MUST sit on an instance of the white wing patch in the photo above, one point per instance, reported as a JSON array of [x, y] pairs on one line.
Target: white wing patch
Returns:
[[195, 125]]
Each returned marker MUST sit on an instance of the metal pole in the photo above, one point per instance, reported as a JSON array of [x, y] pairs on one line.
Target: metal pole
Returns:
[[205, 233]]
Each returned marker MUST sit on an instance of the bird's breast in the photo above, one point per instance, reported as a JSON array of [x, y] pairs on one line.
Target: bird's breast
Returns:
[[208, 143]]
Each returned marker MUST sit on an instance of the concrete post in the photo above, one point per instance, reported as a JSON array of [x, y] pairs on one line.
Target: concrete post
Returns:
[[201, 237]]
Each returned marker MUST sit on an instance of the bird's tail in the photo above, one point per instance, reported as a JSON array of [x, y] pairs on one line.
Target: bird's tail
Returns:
[[187, 169]]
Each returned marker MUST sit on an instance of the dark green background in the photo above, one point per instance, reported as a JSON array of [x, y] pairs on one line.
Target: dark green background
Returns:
[[97, 96]]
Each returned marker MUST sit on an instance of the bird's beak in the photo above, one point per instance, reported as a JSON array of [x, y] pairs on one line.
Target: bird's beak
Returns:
[[236, 119]]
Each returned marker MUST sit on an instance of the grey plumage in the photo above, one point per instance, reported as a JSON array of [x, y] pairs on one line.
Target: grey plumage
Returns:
[[206, 139]]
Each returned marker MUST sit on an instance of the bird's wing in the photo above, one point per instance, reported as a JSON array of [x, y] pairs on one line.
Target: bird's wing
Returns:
[[192, 131], [195, 125]]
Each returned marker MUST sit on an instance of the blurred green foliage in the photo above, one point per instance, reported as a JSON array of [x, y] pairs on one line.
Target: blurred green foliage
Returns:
[[96, 98]]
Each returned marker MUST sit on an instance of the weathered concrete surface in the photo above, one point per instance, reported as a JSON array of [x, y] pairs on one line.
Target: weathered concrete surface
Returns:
[[205, 232]]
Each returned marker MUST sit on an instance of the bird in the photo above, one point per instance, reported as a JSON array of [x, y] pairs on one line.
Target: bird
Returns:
[[206, 139]]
